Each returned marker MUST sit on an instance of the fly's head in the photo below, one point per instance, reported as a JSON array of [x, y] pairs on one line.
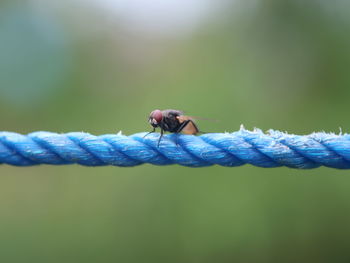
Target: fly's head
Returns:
[[155, 118]]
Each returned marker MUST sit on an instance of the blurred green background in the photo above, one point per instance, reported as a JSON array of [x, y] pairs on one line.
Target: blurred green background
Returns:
[[100, 66]]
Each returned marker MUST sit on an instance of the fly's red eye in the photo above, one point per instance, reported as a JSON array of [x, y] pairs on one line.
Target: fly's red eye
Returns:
[[157, 115]]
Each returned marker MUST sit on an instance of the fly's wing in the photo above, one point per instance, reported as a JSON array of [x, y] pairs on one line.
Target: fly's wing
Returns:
[[172, 112], [201, 118], [191, 127]]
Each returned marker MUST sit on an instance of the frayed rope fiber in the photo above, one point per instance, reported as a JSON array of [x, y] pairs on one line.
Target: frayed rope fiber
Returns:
[[271, 149]]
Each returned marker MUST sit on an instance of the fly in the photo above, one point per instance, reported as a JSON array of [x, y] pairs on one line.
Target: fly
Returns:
[[171, 121]]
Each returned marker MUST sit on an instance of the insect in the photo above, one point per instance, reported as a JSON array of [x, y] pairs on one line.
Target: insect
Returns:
[[171, 121]]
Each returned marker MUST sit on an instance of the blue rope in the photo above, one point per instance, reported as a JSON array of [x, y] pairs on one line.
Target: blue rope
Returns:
[[272, 149]]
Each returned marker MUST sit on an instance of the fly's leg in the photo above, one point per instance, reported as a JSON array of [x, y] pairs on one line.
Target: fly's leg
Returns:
[[183, 125], [154, 129], [161, 135]]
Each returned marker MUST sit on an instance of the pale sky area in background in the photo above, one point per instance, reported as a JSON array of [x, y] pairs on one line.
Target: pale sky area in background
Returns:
[[170, 17]]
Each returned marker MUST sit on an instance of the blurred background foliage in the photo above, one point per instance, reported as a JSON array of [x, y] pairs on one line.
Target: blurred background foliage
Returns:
[[101, 66]]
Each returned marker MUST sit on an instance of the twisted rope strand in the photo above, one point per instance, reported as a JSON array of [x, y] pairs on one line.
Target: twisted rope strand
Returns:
[[271, 149]]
